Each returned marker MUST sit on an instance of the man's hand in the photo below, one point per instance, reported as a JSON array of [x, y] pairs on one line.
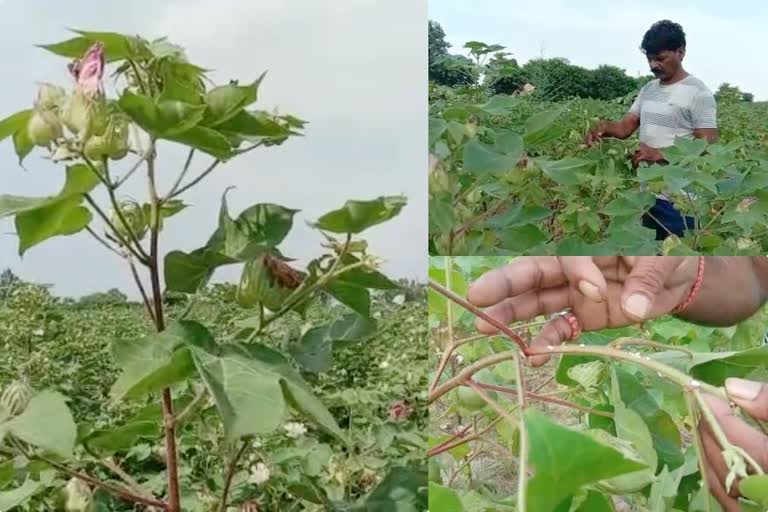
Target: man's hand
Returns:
[[603, 292], [647, 154], [752, 397], [595, 135]]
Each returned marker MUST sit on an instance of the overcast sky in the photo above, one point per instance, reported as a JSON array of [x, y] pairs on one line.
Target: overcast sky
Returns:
[[726, 40], [355, 69]]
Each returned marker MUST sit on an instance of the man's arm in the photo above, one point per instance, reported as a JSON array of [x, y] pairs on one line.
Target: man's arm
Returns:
[[622, 129], [732, 290]]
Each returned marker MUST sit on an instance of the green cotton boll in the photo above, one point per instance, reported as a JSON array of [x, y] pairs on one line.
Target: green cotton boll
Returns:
[[134, 217], [112, 144], [78, 495], [43, 128], [15, 398]]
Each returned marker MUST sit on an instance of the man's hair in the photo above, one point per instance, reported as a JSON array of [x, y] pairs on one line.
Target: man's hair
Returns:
[[663, 35]]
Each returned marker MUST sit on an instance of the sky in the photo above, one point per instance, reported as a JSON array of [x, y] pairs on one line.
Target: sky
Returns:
[[725, 40], [355, 69]]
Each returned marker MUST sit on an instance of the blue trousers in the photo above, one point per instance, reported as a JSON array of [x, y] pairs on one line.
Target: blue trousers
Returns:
[[667, 216]]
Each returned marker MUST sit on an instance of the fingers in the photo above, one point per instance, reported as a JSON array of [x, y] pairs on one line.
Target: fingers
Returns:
[[589, 279], [521, 276], [525, 307], [640, 297], [555, 332], [751, 396]]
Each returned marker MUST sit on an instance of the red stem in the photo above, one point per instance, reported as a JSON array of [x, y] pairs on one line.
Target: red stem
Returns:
[[480, 314], [543, 398]]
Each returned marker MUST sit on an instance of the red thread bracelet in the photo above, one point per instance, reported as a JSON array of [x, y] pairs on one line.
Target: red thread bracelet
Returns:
[[695, 290]]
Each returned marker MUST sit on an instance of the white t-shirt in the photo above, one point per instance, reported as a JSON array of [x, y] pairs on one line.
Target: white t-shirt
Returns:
[[675, 110]]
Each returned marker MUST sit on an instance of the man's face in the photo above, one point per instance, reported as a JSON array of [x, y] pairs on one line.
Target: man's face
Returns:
[[665, 63]]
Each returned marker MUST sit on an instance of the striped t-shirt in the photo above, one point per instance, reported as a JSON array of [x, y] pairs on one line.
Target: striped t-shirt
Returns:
[[675, 110]]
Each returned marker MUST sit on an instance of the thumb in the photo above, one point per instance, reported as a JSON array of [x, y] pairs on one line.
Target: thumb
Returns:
[[643, 286], [749, 395]]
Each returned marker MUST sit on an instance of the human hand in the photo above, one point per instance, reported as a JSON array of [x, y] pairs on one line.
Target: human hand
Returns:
[[595, 135], [602, 292], [647, 154], [752, 397]]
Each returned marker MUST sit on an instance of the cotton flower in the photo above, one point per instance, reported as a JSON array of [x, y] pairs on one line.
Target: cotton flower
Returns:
[[89, 70], [295, 430], [399, 300], [259, 474]]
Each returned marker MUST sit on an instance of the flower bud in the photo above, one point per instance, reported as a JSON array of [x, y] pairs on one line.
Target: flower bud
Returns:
[[15, 398], [43, 127], [85, 116], [113, 143]]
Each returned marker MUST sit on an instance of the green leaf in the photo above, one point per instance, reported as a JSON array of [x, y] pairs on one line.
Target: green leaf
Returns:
[[666, 436], [631, 204], [46, 423], [479, 158], [22, 144], [522, 238], [315, 350], [355, 297], [156, 361], [755, 487], [260, 285], [9, 500], [144, 425], [13, 123], [691, 147], [252, 385], [403, 489], [164, 118], [187, 272], [61, 218], [518, 215], [714, 368], [566, 171], [40, 218], [596, 502], [357, 216], [437, 127], [226, 101], [253, 126], [565, 460], [540, 128], [500, 104], [442, 215], [116, 46], [363, 276], [443, 499]]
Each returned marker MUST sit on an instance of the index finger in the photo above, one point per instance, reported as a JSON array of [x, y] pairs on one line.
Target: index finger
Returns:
[[522, 275]]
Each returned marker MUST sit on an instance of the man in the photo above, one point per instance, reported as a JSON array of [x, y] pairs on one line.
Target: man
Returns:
[[616, 291], [676, 104]]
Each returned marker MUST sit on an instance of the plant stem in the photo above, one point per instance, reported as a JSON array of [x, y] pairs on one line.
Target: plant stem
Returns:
[[135, 167], [448, 263], [699, 447], [168, 417], [139, 284], [523, 469], [230, 474], [490, 401], [625, 342], [195, 181], [545, 398], [183, 171], [477, 312], [125, 477], [103, 242], [469, 460], [184, 414]]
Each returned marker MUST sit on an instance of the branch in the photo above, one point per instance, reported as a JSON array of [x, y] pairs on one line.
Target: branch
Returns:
[[195, 181], [103, 242], [143, 292], [230, 474], [477, 312], [136, 166], [522, 404], [545, 398], [200, 398], [626, 342], [182, 173], [120, 238]]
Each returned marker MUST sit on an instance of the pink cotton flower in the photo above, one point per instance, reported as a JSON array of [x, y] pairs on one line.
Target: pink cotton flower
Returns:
[[89, 70], [399, 411]]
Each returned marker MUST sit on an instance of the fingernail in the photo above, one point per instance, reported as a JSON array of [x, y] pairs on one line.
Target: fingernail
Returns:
[[637, 305], [591, 291], [742, 389]]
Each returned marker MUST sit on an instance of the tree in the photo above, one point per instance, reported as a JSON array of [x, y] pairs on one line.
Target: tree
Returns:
[[8, 280], [609, 82], [728, 93], [111, 297], [445, 68]]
